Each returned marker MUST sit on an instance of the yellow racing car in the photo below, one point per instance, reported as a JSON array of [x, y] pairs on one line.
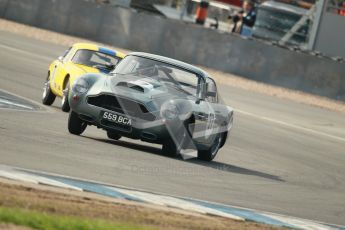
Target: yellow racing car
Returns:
[[79, 59]]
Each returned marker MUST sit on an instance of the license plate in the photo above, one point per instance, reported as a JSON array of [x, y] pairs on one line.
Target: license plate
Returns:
[[116, 118]]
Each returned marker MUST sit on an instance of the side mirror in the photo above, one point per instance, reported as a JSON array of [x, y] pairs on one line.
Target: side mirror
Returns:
[[211, 90], [110, 66], [201, 95], [211, 94], [60, 58]]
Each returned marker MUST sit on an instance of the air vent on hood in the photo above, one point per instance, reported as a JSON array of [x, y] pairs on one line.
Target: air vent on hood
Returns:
[[141, 85], [132, 86]]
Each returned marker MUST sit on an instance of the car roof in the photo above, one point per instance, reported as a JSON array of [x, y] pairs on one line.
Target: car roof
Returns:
[[94, 47], [284, 7], [171, 61]]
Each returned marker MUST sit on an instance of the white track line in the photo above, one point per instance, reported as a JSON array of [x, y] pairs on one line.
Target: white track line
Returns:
[[42, 108], [301, 223], [176, 203], [7, 102], [34, 179], [308, 130], [24, 52]]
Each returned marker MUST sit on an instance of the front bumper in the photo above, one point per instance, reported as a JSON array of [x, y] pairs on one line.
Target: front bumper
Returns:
[[148, 131]]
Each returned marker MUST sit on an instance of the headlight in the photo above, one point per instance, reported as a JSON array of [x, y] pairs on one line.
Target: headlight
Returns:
[[80, 86], [169, 111]]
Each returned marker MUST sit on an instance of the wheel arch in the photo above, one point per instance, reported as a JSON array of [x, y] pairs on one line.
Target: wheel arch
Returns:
[[225, 137], [51, 84], [65, 80], [190, 120]]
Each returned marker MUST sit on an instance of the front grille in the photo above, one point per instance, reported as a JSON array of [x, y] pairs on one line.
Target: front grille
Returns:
[[121, 105]]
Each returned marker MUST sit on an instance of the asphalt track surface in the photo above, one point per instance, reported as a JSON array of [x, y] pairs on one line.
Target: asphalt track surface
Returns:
[[281, 157]]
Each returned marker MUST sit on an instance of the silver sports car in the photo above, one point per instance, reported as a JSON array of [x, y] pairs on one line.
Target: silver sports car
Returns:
[[154, 99]]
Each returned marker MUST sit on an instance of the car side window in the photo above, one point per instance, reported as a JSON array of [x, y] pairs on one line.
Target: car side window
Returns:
[[211, 93], [66, 53]]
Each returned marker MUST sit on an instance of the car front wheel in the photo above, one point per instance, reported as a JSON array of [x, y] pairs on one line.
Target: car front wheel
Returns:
[[75, 125], [48, 96], [113, 135], [210, 154], [182, 139], [169, 148]]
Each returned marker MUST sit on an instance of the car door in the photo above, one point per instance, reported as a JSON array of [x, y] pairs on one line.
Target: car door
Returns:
[[204, 121], [207, 115], [59, 72]]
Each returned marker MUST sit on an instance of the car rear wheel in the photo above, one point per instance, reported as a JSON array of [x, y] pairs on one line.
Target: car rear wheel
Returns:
[[76, 126], [210, 154], [113, 135], [64, 102], [48, 96]]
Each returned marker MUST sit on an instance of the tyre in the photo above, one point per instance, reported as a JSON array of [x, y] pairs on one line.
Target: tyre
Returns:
[[48, 96], [75, 125], [183, 138], [113, 135], [64, 102], [169, 148], [210, 154]]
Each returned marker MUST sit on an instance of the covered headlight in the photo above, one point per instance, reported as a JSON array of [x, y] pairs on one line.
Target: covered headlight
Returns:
[[169, 111], [80, 86]]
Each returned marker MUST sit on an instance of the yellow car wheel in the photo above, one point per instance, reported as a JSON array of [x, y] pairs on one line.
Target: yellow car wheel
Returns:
[[48, 96], [64, 102]]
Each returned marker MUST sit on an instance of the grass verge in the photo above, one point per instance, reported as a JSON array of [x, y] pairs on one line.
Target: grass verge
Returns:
[[42, 221], [42, 207]]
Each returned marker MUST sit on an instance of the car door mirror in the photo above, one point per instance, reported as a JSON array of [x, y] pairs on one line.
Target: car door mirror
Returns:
[[211, 90], [110, 66], [60, 58]]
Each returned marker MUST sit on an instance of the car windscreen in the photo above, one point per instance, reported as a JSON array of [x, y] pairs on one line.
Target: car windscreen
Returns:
[[94, 58], [167, 74]]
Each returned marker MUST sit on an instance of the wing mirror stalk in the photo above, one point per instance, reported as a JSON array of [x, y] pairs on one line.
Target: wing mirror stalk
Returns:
[[110, 66]]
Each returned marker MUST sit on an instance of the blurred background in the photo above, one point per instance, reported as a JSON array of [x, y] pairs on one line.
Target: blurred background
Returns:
[[296, 44], [304, 24]]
